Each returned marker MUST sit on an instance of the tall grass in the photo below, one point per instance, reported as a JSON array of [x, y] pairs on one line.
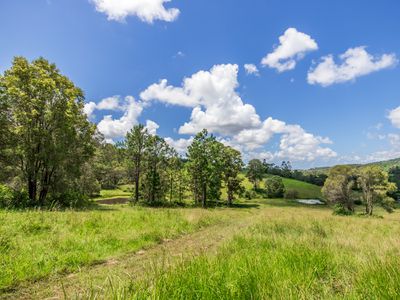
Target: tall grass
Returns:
[[36, 244], [294, 253]]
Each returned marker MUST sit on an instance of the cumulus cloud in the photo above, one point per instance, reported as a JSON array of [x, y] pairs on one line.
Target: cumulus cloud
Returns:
[[152, 127], [114, 128], [146, 10], [251, 69], [293, 47], [394, 117], [180, 145], [218, 107], [89, 109], [212, 94], [355, 62]]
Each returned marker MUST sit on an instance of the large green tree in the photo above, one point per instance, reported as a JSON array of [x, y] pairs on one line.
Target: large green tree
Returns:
[[338, 186], [136, 142], [255, 172], [232, 166], [205, 167], [375, 186], [48, 133]]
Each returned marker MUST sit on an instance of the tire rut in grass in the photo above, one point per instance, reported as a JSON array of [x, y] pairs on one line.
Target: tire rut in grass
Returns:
[[135, 266]]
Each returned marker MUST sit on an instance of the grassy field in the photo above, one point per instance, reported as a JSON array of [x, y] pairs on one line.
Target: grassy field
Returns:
[[37, 244], [292, 252], [306, 190], [122, 191]]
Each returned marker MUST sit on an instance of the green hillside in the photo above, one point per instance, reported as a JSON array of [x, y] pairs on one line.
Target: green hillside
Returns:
[[306, 190], [386, 165]]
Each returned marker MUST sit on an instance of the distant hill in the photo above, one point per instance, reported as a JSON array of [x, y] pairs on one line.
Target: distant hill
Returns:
[[386, 165]]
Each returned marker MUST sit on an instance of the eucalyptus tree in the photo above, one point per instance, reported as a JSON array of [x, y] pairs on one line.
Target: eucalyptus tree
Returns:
[[136, 142], [232, 166], [255, 172], [155, 181], [49, 134], [375, 186], [338, 186], [200, 165]]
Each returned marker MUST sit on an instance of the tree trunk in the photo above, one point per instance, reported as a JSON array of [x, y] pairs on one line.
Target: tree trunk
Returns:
[[32, 189], [204, 196]]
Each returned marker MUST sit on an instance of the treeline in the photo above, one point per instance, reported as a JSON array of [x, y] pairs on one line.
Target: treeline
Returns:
[[50, 154]]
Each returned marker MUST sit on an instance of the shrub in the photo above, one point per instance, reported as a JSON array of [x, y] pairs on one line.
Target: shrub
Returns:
[[340, 210], [274, 187], [292, 194], [6, 196], [71, 199]]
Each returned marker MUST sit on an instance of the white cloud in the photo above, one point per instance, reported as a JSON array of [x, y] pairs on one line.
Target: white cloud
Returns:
[[180, 145], [355, 62], [293, 47], [110, 103], [89, 109], [299, 145], [257, 137], [152, 127], [394, 117], [251, 69], [146, 10], [217, 105], [116, 128]]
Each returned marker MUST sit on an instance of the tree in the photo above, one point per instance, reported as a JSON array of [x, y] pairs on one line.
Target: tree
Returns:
[[50, 136], [255, 172], [205, 167], [274, 187], [338, 187], [375, 186], [232, 166], [155, 180], [136, 141]]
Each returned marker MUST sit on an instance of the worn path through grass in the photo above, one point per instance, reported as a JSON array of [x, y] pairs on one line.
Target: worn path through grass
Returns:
[[136, 265]]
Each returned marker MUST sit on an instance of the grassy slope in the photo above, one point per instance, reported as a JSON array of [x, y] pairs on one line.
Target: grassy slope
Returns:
[[36, 244], [306, 190], [293, 253]]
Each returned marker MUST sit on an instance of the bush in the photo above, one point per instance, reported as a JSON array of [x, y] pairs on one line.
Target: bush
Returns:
[[274, 187], [6, 197], [250, 194], [71, 199], [340, 210], [291, 194]]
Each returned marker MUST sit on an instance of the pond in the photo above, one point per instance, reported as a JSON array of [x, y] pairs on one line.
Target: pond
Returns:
[[310, 201]]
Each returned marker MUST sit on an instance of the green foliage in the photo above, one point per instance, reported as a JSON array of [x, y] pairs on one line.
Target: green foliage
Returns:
[[375, 186], [48, 137], [338, 187], [255, 172], [274, 187], [340, 210]]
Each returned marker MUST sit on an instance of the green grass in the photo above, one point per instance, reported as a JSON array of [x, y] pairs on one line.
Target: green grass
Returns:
[[120, 192], [294, 253], [306, 190], [36, 244]]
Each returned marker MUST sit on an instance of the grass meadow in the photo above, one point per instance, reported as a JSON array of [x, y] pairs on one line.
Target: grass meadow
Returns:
[[37, 244], [292, 252]]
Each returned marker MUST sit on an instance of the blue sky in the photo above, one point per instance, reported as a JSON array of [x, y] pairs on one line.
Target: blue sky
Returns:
[[301, 104]]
